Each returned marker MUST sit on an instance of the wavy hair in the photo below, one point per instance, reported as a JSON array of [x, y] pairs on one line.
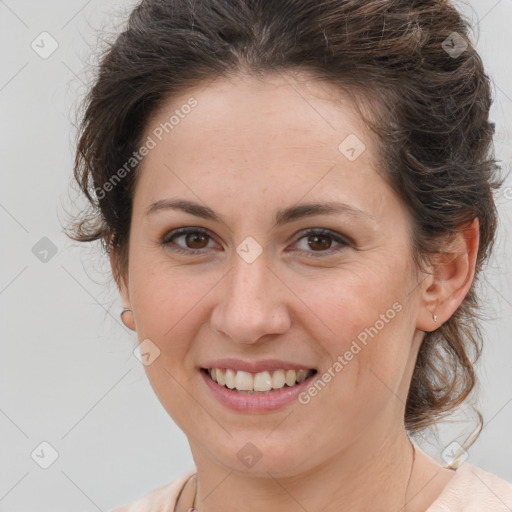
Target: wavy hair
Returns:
[[400, 60]]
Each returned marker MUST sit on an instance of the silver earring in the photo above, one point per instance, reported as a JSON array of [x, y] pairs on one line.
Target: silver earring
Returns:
[[434, 317], [123, 312]]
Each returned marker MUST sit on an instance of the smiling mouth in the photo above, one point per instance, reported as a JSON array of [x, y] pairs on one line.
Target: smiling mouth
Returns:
[[261, 382]]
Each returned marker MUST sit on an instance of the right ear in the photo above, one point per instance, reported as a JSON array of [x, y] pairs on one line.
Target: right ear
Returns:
[[126, 318]]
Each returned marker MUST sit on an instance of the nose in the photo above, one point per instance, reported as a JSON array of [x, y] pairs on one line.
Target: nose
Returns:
[[251, 303]]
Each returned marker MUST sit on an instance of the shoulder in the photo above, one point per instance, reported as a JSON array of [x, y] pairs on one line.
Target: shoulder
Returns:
[[161, 499], [473, 489]]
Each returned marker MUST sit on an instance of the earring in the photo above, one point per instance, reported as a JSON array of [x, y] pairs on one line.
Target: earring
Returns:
[[434, 317], [123, 312]]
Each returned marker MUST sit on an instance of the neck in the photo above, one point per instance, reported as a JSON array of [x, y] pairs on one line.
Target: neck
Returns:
[[366, 476]]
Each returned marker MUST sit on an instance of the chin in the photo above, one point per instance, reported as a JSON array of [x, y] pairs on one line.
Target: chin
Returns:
[[264, 458]]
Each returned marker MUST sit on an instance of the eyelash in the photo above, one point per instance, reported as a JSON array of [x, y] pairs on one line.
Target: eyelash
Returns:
[[169, 237]]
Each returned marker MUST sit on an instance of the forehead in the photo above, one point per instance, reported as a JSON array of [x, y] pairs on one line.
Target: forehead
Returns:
[[257, 134], [249, 106]]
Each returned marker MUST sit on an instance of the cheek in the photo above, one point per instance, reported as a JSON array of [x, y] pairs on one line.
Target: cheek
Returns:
[[366, 330], [348, 302], [165, 299]]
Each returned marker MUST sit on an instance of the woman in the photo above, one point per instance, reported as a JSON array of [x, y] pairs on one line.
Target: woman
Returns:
[[297, 198]]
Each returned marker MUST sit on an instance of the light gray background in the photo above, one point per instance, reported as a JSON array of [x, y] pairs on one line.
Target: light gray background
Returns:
[[68, 376]]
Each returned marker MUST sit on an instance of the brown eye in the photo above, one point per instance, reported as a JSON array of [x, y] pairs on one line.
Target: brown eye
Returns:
[[194, 240], [320, 243]]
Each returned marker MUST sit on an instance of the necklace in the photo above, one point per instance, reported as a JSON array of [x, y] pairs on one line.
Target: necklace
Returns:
[[408, 480], [193, 508]]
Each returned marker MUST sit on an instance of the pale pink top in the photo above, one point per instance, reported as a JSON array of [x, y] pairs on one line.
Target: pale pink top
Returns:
[[471, 489]]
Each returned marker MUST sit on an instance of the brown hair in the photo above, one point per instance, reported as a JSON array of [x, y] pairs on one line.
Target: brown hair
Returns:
[[430, 110]]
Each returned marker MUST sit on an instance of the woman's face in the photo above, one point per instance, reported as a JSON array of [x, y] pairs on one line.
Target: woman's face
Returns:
[[252, 286]]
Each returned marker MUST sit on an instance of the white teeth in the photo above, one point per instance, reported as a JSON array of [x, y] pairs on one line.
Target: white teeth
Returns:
[[230, 379], [244, 381], [290, 377], [262, 381], [221, 379], [278, 380]]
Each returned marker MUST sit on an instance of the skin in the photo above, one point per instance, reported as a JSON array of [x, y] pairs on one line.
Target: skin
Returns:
[[252, 146]]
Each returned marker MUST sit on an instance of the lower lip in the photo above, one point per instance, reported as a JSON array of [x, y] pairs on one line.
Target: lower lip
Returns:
[[255, 402]]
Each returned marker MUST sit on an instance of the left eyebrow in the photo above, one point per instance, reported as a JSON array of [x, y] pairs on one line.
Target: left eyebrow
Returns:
[[282, 217]]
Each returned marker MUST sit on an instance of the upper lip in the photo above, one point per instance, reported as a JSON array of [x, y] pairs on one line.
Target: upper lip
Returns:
[[255, 366]]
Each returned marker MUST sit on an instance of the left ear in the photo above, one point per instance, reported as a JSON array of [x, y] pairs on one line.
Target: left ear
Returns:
[[453, 271]]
